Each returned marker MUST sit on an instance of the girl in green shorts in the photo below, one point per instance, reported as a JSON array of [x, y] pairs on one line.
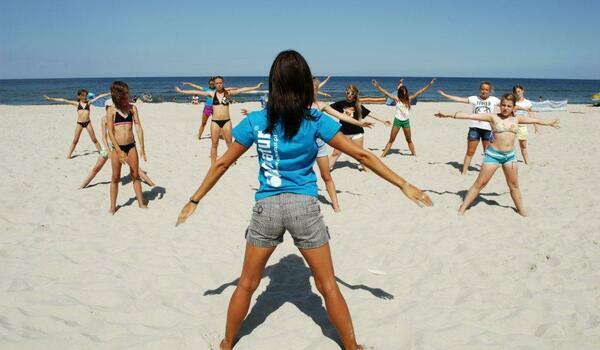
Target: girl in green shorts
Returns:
[[401, 120]]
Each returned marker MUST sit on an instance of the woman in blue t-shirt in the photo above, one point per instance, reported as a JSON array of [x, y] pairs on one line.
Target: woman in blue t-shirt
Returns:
[[285, 135]]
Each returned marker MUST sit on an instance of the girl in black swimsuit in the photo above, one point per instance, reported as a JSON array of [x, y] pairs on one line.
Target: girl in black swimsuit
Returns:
[[83, 117], [221, 121], [119, 121]]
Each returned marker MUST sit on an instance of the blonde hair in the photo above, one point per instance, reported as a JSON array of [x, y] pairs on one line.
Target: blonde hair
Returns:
[[357, 103]]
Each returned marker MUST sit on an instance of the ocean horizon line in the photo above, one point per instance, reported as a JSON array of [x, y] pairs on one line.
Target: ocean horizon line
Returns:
[[318, 75]]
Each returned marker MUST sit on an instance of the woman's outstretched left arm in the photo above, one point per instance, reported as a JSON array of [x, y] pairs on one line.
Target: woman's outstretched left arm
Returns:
[[212, 177], [423, 89], [245, 89]]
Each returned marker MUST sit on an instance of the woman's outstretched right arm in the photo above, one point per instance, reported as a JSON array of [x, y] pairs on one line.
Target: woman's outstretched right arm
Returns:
[[383, 91], [195, 86], [61, 100], [372, 162], [212, 177], [453, 98], [321, 84], [482, 117], [193, 92]]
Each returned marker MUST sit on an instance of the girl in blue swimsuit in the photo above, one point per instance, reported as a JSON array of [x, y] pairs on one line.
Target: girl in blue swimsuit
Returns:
[[501, 151]]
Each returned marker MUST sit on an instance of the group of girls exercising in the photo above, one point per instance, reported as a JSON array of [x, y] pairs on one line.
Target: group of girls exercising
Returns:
[[122, 118]]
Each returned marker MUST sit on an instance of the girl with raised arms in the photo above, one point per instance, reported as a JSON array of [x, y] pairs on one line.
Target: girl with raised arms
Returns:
[[403, 101], [501, 151], [285, 136], [221, 120], [83, 117]]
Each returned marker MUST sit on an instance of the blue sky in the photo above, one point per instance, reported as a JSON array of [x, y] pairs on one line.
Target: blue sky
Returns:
[[529, 39]]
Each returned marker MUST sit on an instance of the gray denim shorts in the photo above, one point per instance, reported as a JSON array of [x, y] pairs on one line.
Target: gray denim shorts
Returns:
[[298, 214]]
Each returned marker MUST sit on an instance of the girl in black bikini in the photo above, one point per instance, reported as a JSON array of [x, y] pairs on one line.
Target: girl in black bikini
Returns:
[[83, 117], [221, 120], [119, 121]]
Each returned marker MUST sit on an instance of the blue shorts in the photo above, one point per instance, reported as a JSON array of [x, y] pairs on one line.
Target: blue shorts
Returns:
[[493, 156], [476, 134]]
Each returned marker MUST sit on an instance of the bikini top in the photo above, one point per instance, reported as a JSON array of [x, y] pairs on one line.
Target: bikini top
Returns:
[[223, 102], [500, 128], [119, 119], [87, 106]]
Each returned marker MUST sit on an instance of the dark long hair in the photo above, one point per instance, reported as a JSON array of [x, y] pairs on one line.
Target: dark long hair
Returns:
[[403, 96], [117, 91], [291, 92]]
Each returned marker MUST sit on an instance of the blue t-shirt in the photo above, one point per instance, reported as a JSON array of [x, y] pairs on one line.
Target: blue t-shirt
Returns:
[[285, 166]]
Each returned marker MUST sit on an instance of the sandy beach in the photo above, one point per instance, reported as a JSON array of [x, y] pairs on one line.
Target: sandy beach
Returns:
[[74, 277]]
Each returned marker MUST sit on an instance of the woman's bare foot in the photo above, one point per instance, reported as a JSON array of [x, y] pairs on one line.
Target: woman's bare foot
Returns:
[[112, 210], [143, 206], [337, 210], [522, 213], [225, 345]]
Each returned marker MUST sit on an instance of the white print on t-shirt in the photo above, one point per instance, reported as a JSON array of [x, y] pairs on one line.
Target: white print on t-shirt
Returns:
[[269, 160]]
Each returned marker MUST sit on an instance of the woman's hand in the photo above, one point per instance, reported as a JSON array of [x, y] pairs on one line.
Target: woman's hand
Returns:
[[244, 111], [366, 124], [441, 115], [122, 156], [387, 123], [186, 212], [416, 195], [143, 155], [375, 83], [555, 123]]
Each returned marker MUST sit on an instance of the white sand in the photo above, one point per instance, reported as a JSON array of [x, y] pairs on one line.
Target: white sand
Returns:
[[74, 277]]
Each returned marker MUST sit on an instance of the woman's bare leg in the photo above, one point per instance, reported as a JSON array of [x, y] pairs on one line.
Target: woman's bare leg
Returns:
[[255, 260], [114, 180], [319, 261], [471, 148], [134, 168], [333, 157], [485, 144], [360, 143], [323, 163], [408, 137], [146, 179], [511, 172], [388, 146], [78, 130], [226, 132], [202, 125], [90, 130], [215, 131], [95, 170], [485, 174], [524, 152]]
